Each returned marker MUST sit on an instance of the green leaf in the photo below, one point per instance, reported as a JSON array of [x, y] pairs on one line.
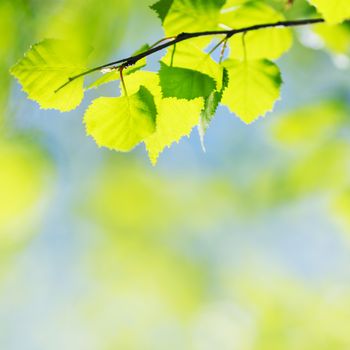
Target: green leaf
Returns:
[[150, 80], [210, 106], [334, 11], [175, 120], [47, 66], [120, 123], [268, 43], [253, 88], [190, 55], [233, 3], [162, 8], [114, 75], [185, 83], [192, 16]]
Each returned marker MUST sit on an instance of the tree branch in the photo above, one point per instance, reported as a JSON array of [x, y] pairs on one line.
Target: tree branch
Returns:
[[129, 61]]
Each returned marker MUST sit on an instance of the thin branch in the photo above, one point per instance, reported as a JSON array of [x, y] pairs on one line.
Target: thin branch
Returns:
[[245, 55], [129, 61], [162, 41], [122, 80], [223, 50]]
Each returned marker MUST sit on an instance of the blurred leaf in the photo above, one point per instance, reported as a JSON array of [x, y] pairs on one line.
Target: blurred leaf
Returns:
[[88, 23], [335, 37], [8, 14], [324, 169], [309, 124], [289, 314]]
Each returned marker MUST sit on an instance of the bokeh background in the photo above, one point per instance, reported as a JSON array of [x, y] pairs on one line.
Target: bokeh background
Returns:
[[243, 247]]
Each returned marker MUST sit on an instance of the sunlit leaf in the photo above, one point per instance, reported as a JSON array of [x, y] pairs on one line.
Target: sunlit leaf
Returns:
[[336, 37], [268, 43], [150, 80], [253, 88], [190, 55], [334, 11], [120, 123], [176, 118], [232, 3], [46, 67], [192, 16]]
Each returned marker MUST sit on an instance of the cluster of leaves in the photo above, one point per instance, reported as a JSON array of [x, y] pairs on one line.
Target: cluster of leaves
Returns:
[[159, 108]]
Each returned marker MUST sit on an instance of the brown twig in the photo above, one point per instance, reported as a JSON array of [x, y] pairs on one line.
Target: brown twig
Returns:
[[129, 61]]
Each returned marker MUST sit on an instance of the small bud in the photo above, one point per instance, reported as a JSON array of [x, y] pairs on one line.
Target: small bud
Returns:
[[106, 70]]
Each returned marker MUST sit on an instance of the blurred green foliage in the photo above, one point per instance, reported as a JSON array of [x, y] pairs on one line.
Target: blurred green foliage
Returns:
[[167, 258], [25, 182]]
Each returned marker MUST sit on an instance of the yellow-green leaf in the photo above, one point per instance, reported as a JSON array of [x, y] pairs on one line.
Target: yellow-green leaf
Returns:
[[232, 3], [150, 80], [176, 118], [334, 11], [192, 16], [253, 88], [120, 123], [190, 55], [211, 104], [268, 43], [47, 66]]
